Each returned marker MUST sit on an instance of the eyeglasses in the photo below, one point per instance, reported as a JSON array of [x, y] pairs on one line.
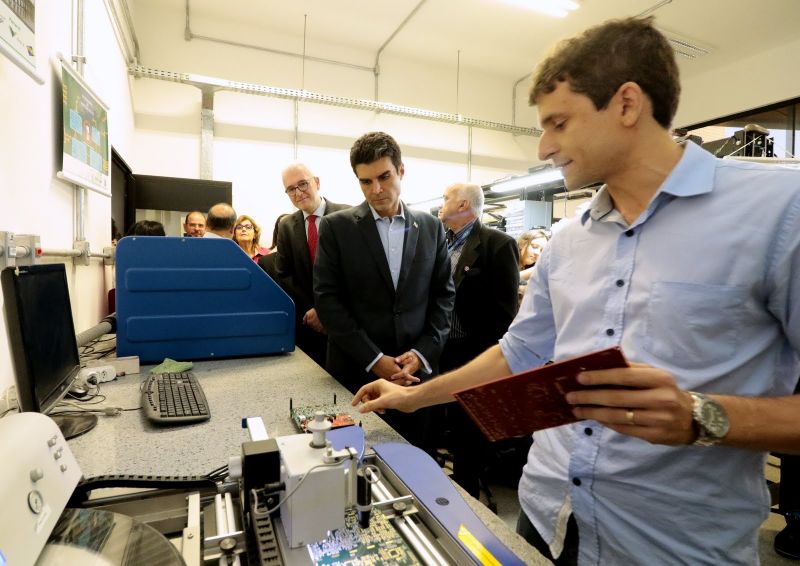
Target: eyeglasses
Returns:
[[302, 185], [244, 226]]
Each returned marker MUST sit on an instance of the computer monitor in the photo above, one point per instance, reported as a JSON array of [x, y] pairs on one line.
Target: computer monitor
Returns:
[[41, 334]]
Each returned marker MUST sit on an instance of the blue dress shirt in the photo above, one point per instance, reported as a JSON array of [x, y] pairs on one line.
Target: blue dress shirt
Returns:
[[392, 232], [704, 284]]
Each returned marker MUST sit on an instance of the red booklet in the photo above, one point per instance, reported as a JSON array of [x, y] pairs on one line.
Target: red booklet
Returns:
[[519, 404]]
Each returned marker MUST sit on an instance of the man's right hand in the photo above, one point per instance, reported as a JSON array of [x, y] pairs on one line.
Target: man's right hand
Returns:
[[381, 395]]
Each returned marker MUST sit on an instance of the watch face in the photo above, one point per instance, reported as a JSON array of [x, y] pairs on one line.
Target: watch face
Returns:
[[714, 419]]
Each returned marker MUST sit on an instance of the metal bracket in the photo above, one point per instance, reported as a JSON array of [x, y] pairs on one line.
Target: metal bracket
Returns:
[[8, 250], [110, 253], [29, 249], [83, 247]]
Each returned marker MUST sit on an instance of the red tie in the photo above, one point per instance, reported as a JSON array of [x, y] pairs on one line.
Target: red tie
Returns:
[[313, 236]]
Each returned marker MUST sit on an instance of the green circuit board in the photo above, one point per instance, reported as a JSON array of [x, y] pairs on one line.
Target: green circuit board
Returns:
[[378, 545]]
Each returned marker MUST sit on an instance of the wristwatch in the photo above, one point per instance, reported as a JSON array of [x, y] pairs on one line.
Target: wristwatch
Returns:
[[710, 419]]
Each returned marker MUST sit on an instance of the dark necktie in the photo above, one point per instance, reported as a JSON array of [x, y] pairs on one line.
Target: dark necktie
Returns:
[[451, 237], [313, 236]]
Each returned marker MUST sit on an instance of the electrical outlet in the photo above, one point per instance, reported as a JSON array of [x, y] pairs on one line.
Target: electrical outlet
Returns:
[[126, 365]]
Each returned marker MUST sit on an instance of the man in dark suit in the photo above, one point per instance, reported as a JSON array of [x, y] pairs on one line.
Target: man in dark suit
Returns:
[[485, 265], [297, 245], [382, 282]]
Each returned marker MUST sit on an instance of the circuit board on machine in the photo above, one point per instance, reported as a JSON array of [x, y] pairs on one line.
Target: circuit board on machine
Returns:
[[301, 416], [378, 545]]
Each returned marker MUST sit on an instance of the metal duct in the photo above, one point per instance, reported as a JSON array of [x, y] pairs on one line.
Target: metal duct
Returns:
[[203, 82]]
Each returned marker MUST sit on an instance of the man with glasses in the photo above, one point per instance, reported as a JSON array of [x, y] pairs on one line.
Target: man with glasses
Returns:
[[220, 221], [297, 247]]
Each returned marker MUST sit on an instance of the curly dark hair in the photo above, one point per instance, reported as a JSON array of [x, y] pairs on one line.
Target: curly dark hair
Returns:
[[603, 58]]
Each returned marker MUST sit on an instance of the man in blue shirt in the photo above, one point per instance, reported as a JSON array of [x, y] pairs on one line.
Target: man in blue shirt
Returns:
[[691, 265]]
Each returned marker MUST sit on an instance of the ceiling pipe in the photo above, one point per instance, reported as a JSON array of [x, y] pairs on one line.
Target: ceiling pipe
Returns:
[[124, 30], [376, 69], [201, 82], [514, 100], [189, 35], [653, 8], [141, 71]]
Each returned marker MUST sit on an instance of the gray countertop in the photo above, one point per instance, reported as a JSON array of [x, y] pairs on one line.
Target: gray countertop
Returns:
[[237, 388]]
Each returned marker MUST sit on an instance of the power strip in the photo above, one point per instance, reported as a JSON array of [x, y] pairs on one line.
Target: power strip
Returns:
[[125, 366], [98, 374]]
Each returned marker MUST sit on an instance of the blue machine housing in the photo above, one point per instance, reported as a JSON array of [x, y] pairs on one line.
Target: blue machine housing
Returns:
[[197, 298]]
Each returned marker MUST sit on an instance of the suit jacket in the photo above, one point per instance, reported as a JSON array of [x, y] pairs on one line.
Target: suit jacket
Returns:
[[267, 263], [358, 304], [487, 281], [293, 269]]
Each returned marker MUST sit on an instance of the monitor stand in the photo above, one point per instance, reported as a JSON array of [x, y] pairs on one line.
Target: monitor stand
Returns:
[[74, 425]]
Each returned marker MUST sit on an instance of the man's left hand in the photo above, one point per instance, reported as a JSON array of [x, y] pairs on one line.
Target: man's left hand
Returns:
[[409, 364], [640, 400]]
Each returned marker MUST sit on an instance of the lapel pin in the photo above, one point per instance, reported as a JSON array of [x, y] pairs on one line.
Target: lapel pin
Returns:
[[466, 268]]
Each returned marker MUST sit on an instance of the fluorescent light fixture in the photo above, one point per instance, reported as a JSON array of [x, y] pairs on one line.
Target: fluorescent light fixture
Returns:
[[555, 8], [541, 176]]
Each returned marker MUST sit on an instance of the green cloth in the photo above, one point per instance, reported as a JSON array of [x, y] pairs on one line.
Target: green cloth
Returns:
[[172, 366]]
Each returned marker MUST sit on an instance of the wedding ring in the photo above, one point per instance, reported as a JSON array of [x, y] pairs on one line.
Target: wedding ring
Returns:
[[629, 417]]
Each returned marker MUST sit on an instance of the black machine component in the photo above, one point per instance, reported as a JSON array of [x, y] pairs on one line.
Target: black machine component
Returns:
[[363, 497], [261, 464], [751, 141], [754, 141]]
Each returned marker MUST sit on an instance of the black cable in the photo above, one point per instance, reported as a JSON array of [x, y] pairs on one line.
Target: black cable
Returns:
[[218, 470]]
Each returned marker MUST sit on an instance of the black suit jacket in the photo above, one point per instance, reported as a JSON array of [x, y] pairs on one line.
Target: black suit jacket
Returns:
[[487, 281], [267, 263], [358, 304], [294, 273]]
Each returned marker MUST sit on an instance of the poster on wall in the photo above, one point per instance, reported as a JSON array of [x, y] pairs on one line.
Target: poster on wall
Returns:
[[86, 157], [18, 34]]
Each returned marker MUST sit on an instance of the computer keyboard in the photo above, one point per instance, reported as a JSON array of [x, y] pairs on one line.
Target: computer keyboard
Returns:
[[174, 398]]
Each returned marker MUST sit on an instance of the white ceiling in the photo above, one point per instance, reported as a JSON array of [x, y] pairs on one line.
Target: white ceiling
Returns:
[[491, 35]]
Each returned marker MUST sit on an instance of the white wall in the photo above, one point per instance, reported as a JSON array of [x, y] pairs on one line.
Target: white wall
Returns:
[[254, 135], [761, 79], [34, 201]]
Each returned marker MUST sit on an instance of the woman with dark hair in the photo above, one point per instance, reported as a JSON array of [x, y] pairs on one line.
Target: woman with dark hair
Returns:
[[274, 246], [247, 234], [147, 228], [267, 263]]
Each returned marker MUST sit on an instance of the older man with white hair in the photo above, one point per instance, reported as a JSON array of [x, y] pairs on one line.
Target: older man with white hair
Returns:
[[484, 263]]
